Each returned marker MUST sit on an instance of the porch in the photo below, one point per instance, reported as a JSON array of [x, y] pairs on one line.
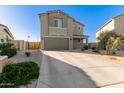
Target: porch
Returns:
[[79, 40]]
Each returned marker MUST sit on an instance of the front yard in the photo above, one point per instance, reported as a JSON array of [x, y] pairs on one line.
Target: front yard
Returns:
[[21, 67], [59, 67]]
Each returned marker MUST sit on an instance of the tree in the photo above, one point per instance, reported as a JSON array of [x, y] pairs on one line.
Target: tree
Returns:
[[111, 41], [109, 45], [118, 43], [103, 38]]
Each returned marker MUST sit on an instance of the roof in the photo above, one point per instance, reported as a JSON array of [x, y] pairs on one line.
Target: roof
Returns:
[[109, 21], [7, 31], [104, 25], [59, 11], [118, 16]]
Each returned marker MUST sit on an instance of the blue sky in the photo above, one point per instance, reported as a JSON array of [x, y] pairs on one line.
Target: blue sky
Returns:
[[23, 21]]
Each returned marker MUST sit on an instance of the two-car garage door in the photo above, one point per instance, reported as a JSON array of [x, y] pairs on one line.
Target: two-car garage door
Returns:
[[56, 43]]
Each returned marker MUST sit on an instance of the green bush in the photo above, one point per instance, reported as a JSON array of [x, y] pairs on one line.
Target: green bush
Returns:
[[7, 49], [5, 45], [27, 54], [8, 52], [14, 75]]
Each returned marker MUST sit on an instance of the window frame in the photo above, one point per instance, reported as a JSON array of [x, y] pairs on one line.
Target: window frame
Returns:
[[79, 28], [58, 22]]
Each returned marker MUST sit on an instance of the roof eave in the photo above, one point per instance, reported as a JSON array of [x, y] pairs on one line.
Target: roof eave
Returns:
[[59, 11], [104, 25]]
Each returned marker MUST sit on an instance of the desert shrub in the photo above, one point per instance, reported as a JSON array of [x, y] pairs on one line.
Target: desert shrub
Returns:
[[7, 49], [82, 49], [85, 47], [27, 54], [14, 75], [96, 51], [113, 52], [93, 48]]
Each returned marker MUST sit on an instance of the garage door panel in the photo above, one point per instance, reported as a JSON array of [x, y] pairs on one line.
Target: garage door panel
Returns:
[[56, 43]]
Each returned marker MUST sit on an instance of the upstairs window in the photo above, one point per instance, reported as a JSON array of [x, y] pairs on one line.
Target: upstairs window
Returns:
[[58, 23], [79, 28]]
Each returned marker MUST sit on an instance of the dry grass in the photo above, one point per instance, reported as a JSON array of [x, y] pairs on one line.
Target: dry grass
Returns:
[[113, 58]]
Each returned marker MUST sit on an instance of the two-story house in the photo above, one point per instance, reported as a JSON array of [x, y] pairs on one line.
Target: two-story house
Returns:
[[115, 24], [59, 31], [5, 34]]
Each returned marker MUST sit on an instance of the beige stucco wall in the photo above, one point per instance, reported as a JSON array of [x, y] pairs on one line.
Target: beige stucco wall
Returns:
[[53, 16], [44, 24], [107, 27], [68, 23], [44, 27], [4, 34], [119, 24], [70, 27], [19, 44], [16, 44], [76, 44], [57, 31], [78, 31]]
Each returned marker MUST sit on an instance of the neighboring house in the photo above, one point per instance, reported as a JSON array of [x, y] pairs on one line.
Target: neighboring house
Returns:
[[5, 34], [59, 31], [115, 24]]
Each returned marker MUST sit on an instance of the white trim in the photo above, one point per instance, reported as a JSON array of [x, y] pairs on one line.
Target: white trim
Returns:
[[59, 22]]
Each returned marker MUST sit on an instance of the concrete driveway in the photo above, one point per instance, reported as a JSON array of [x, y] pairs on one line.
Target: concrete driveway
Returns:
[[64, 69]]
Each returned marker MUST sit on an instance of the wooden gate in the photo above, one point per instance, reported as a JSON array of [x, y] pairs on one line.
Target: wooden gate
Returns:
[[33, 45]]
